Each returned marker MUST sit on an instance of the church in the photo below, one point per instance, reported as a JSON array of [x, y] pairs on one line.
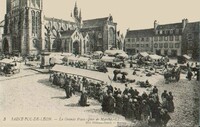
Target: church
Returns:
[[28, 31]]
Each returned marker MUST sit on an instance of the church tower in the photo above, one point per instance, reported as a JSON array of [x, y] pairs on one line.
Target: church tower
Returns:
[[77, 16], [75, 11], [23, 24]]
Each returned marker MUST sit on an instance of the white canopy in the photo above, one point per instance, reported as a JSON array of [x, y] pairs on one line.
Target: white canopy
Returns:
[[187, 57], [6, 61], [81, 72], [107, 59], [114, 52], [155, 57], [144, 54]]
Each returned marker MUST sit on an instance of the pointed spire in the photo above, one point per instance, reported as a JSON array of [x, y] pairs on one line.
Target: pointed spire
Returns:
[[76, 10], [71, 14], [76, 4], [80, 15]]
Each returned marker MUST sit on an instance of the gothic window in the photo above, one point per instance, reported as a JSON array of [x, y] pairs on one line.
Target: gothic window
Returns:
[[111, 37], [36, 21], [33, 2], [33, 22], [38, 3]]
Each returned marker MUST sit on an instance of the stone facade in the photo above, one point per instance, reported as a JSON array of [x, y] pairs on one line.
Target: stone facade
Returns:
[[28, 31], [1, 33], [22, 29], [169, 39]]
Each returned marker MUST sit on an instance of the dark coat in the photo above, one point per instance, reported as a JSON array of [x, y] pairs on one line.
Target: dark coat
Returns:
[[111, 104], [119, 105]]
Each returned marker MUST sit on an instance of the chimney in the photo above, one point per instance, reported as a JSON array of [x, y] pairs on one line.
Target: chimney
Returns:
[[184, 23], [155, 24]]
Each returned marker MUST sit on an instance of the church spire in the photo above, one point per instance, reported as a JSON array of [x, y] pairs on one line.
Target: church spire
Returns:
[[80, 15], [76, 11]]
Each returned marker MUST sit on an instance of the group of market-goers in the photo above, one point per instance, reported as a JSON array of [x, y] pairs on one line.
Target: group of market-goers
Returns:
[[129, 103], [193, 70], [145, 107]]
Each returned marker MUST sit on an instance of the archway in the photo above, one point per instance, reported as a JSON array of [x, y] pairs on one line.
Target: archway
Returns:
[[5, 46], [57, 45], [76, 48]]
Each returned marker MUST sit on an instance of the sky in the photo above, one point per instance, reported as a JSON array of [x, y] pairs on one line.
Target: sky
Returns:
[[132, 14]]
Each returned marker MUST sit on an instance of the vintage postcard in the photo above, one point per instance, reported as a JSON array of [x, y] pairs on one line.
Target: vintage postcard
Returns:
[[99, 63]]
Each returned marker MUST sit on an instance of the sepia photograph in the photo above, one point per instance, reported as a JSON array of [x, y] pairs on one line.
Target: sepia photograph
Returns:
[[99, 63]]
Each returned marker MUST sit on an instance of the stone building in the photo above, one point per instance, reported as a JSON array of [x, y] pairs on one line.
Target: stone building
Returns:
[[169, 39], [1, 33], [28, 31], [23, 27]]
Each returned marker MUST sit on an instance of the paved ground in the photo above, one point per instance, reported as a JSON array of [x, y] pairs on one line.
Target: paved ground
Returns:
[[33, 96]]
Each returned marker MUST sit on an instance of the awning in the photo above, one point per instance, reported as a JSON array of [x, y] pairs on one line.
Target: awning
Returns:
[[81, 72], [6, 61], [107, 59], [187, 57], [144, 54], [155, 57], [114, 52]]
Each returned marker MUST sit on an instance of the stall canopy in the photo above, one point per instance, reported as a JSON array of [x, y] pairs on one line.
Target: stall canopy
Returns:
[[81, 72], [6, 61], [114, 52], [155, 57], [107, 59], [186, 56], [143, 54]]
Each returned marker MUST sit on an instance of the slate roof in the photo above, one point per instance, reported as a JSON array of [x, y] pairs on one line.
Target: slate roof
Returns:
[[140, 33], [59, 20], [170, 26], [94, 22], [193, 26]]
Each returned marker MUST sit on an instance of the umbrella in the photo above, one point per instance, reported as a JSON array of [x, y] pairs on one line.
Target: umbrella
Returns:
[[124, 73]]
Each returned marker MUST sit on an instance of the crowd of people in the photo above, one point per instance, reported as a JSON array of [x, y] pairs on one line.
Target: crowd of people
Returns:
[[133, 106]]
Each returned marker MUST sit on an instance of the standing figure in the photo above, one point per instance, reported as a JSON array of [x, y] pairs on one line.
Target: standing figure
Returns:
[[170, 103], [83, 99], [119, 104], [111, 103]]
